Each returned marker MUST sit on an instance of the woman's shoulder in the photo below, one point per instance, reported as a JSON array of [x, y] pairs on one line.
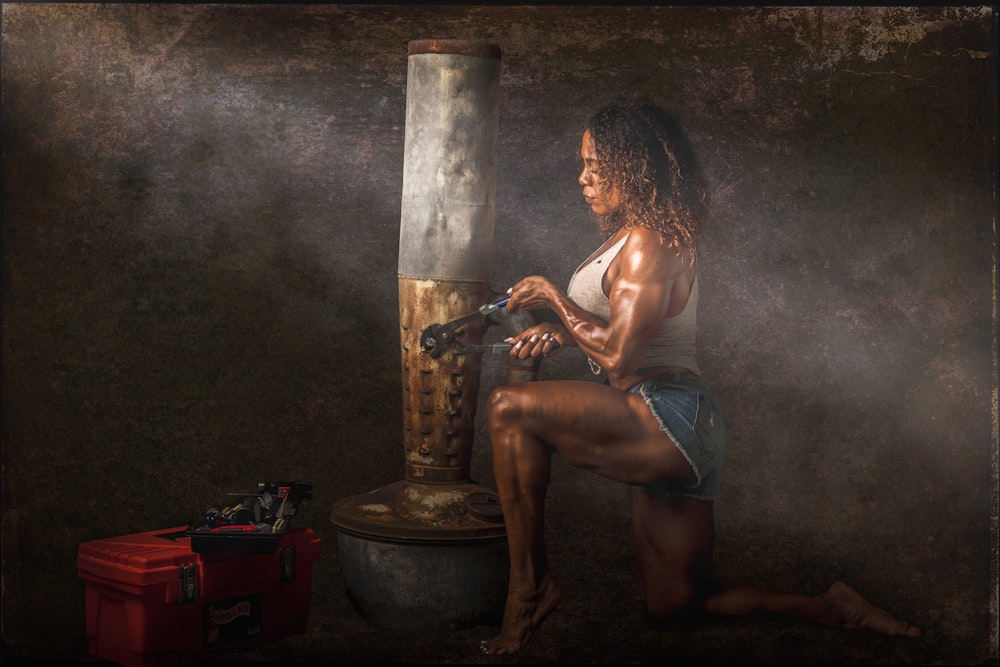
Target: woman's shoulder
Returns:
[[645, 250], [645, 240]]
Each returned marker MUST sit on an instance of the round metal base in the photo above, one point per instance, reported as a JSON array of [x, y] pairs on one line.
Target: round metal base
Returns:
[[425, 586], [424, 556]]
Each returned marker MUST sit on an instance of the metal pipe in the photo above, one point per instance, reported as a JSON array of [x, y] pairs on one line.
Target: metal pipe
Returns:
[[429, 551], [445, 243]]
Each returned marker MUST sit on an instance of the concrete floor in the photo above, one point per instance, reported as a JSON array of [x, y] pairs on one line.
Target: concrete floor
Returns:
[[601, 620]]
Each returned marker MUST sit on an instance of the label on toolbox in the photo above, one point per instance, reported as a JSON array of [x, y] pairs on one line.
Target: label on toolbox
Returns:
[[233, 620]]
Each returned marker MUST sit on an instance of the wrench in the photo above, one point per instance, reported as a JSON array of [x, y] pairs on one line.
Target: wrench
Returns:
[[437, 338]]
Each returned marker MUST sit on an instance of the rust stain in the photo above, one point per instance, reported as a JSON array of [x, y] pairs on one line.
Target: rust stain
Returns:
[[440, 395]]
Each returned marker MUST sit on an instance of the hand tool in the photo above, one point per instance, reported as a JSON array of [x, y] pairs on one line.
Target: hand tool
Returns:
[[437, 338], [257, 510]]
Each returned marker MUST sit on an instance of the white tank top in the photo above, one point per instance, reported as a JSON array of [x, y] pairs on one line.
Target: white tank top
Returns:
[[674, 343]]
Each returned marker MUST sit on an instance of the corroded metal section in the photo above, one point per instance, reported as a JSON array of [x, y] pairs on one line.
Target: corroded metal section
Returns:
[[412, 511], [440, 395], [458, 47], [429, 551], [513, 323], [522, 370]]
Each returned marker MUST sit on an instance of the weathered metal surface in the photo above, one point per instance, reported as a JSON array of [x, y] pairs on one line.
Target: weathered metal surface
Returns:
[[416, 512], [462, 47], [425, 587], [518, 370], [429, 552], [439, 394], [449, 164]]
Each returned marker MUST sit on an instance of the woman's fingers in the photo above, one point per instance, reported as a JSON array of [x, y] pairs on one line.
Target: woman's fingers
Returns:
[[532, 345]]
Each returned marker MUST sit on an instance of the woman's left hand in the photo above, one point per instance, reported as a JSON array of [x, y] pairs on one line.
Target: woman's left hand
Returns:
[[541, 340]]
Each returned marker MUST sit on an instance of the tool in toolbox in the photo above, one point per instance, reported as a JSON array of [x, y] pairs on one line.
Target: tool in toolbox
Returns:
[[438, 338], [257, 521]]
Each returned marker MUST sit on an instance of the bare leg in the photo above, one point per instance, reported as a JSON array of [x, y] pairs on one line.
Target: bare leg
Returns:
[[673, 545], [841, 607], [590, 426], [522, 466], [673, 539]]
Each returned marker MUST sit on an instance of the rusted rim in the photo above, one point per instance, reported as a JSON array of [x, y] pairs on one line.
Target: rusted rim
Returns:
[[485, 506], [457, 47]]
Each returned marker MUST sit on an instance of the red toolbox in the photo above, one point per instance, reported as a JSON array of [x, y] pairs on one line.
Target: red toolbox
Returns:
[[151, 600]]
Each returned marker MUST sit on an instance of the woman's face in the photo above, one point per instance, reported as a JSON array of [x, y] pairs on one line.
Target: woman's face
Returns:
[[600, 195]]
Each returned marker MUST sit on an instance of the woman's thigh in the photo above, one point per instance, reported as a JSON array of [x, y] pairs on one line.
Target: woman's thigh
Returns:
[[673, 540], [592, 426]]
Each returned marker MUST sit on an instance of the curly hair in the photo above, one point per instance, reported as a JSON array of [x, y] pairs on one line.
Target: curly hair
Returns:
[[642, 150]]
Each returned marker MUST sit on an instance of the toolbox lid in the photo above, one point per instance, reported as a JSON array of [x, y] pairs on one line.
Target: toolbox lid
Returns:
[[144, 559], [140, 559]]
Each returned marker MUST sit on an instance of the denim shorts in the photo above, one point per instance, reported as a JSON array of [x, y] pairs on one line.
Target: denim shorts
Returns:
[[687, 412]]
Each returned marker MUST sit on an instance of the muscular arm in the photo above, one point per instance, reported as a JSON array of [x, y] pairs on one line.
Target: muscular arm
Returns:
[[643, 277]]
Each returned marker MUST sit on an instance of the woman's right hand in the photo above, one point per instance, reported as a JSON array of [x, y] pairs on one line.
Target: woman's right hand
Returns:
[[532, 293]]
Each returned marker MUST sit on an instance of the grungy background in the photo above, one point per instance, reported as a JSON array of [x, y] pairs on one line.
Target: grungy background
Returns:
[[200, 236]]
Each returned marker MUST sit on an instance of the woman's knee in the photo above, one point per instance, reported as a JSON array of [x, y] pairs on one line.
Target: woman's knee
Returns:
[[668, 601], [673, 541], [505, 406]]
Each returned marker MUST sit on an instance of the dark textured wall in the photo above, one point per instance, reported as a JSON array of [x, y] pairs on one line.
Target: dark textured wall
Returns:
[[200, 229]]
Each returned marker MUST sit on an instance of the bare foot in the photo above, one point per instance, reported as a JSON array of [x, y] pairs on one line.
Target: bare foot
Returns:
[[522, 616], [850, 611]]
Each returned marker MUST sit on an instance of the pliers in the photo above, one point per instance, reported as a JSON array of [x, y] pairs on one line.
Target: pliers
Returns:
[[437, 338]]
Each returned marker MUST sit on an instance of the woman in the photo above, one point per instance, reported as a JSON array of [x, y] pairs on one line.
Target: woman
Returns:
[[631, 308]]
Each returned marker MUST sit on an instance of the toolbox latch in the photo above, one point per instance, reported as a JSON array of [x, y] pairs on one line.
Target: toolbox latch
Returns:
[[286, 563], [187, 576]]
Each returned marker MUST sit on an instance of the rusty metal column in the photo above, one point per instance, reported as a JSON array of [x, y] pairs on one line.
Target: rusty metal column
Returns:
[[429, 552], [445, 242]]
